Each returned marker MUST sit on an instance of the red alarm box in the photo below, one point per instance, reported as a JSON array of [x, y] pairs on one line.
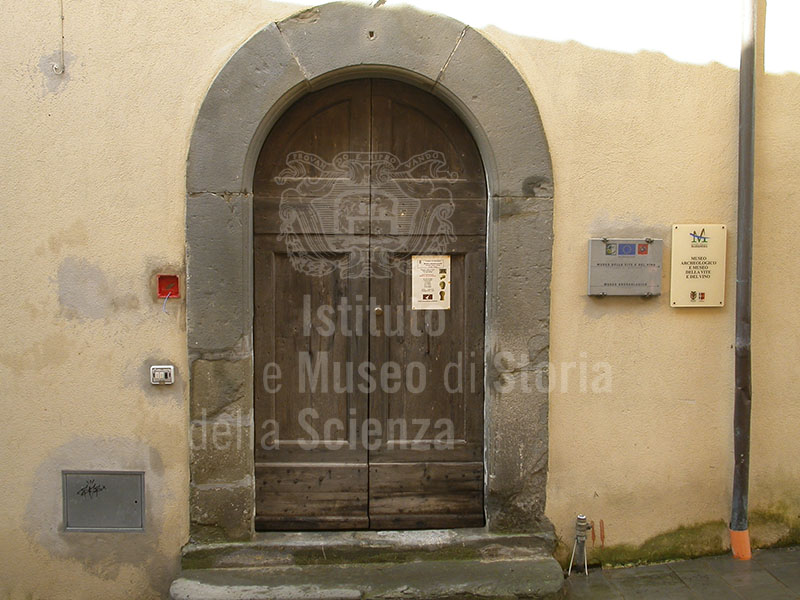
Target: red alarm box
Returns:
[[168, 286]]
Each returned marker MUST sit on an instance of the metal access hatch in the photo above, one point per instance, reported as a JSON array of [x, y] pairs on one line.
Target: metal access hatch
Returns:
[[103, 500]]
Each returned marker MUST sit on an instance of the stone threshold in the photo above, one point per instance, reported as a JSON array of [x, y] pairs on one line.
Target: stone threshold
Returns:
[[438, 564], [530, 578], [354, 547]]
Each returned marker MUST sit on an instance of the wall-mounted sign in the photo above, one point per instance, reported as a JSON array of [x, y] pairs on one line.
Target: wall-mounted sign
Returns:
[[625, 267], [430, 282], [698, 265]]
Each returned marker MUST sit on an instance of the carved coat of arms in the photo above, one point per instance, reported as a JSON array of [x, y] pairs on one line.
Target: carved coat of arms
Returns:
[[364, 213]]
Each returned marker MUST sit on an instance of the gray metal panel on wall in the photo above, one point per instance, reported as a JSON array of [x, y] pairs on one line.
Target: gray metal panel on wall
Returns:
[[103, 500]]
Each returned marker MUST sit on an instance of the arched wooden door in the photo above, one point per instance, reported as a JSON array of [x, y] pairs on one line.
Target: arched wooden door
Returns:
[[369, 409]]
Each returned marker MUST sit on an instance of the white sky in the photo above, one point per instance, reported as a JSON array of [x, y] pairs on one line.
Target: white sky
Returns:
[[691, 31], [782, 43]]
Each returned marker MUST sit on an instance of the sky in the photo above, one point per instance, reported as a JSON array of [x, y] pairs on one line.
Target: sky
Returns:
[[690, 31]]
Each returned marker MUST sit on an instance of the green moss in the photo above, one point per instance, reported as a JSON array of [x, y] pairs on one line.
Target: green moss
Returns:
[[777, 526], [690, 541], [199, 559], [378, 555]]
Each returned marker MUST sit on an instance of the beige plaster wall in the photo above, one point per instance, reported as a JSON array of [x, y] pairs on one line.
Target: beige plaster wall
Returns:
[[93, 167], [93, 172], [639, 142], [775, 475]]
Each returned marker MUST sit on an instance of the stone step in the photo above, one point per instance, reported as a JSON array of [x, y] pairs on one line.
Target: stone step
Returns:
[[532, 577], [334, 547]]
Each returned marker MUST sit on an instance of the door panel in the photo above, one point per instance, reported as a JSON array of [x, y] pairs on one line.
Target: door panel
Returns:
[[426, 495], [299, 495], [408, 122], [431, 441], [439, 341], [351, 182], [303, 165], [301, 476], [322, 124]]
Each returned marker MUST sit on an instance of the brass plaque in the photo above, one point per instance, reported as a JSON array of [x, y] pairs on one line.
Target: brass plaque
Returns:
[[625, 267], [698, 265]]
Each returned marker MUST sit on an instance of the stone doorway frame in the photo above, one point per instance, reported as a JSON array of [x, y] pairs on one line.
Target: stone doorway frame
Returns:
[[271, 70]]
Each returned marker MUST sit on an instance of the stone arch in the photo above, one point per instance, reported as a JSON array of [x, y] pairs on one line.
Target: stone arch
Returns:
[[273, 68]]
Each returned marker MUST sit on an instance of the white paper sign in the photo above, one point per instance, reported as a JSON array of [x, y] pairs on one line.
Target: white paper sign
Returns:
[[430, 282]]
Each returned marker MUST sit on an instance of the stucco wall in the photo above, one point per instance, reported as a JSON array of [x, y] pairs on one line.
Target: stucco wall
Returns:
[[639, 142], [94, 172], [775, 475]]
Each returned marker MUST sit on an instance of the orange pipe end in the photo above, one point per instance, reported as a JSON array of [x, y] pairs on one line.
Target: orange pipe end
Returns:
[[740, 544]]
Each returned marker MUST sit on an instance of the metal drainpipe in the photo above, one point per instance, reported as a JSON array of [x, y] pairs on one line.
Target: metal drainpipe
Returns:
[[740, 535]]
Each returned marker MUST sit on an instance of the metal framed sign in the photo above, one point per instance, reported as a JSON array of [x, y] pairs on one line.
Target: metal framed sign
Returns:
[[103, 500], [698, 266], [625, 267]]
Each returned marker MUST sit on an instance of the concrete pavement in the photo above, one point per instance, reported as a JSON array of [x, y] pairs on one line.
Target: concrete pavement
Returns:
[[770, 575]]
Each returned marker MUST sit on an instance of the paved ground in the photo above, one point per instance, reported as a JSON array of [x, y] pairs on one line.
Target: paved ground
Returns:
[[770, 575]]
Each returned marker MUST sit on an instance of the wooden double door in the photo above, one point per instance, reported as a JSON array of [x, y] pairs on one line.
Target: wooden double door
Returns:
[[368, 413]]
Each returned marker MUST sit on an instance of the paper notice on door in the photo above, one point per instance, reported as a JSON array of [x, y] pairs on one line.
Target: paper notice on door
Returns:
[[430, 282]]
